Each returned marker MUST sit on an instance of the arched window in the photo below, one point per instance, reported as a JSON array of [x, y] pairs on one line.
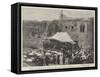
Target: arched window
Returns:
[[66, 27], [72, 28], [82, 27]]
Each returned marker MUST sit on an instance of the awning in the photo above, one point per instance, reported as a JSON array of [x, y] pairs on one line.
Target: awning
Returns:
[[62, 37]]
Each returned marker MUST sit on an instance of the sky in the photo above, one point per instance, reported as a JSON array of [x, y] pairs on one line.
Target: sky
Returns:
[[42, 13]]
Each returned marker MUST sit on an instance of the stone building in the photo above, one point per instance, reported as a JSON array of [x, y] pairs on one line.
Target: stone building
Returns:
[[80, 30]]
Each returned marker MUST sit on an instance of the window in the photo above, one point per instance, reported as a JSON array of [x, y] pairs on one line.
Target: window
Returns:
[[82, 27], [66, 27], [72, 28]]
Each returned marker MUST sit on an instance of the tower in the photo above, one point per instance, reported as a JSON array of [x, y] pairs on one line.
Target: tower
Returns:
[[61, 15], [61, 25]]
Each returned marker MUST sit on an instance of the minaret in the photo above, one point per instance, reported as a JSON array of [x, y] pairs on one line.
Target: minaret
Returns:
[[61, 15], [61, 18]]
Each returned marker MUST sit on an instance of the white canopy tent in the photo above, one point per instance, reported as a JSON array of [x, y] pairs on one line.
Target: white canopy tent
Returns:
[[62, 37]]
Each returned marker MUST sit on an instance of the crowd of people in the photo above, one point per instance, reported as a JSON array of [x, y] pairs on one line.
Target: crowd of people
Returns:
[[46, 57]]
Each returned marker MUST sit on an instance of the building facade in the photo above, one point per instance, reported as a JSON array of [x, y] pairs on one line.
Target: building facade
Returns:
[[80, 30]]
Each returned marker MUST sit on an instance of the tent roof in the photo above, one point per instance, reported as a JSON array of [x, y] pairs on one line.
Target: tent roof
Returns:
[[62, 37]]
